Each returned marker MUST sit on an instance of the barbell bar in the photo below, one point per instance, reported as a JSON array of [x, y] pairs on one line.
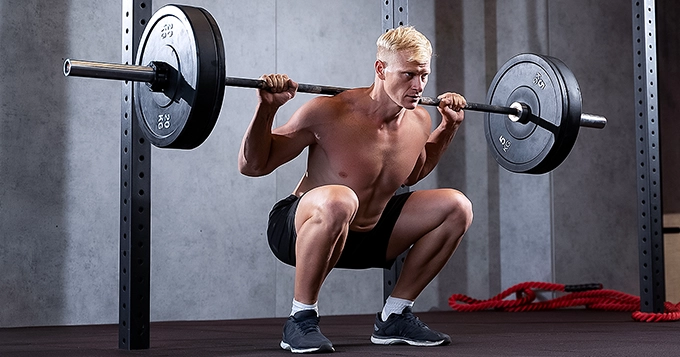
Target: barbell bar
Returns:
[[158, 82], [532, 110]]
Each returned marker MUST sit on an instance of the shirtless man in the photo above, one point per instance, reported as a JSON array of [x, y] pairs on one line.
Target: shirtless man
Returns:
[[363, 145]]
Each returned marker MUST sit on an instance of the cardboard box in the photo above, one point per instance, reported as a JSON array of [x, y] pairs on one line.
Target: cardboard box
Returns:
[[672, 257]]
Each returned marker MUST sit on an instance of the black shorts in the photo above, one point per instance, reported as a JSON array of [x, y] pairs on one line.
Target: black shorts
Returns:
[[362, 249]]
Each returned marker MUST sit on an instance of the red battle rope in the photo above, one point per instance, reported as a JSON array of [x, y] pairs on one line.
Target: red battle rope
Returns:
[[592, 296]]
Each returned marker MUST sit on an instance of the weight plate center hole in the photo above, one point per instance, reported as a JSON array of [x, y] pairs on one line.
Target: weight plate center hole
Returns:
[[525, 95], [168, 55]]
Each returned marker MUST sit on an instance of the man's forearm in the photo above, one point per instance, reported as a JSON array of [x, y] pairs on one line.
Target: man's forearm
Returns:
[[437, 144], [256, 143]]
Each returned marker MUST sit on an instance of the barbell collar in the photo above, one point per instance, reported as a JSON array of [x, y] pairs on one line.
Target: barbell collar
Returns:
[[523, 112]]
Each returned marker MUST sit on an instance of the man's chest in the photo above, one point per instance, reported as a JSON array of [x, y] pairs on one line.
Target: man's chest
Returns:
[[372, 152]]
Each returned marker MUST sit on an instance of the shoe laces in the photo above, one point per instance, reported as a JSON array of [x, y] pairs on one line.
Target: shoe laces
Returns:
[[412, 319], [308, 325]]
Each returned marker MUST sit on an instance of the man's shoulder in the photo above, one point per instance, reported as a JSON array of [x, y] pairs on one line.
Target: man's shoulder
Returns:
[[333, 105], [348, 99], [420, 114]]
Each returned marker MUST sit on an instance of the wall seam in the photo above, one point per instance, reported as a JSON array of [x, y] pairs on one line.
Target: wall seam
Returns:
[[551, 176], [553, 250]]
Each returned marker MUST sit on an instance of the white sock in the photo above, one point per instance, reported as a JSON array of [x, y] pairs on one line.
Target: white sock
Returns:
[[394, 306], [298, 306]]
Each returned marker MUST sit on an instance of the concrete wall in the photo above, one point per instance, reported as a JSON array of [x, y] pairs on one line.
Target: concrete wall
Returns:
[[577, 223], [668, 34], [594, 222], [59, 145]]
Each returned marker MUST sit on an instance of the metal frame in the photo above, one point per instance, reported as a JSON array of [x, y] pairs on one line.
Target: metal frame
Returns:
[[650, 213], [394, 14], [135, 198]]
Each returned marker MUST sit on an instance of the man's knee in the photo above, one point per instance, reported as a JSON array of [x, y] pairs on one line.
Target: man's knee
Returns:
[[333, 205], [458, 206], [336, 202]]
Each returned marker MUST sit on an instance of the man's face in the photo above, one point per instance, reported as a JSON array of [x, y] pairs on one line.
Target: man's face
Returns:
[[404, 80]]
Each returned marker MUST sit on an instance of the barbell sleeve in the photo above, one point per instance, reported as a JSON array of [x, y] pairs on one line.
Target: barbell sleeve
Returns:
[[593, 121], [125, 72]]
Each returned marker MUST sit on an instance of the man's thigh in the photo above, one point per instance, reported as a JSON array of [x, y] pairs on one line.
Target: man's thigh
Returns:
[[424, 211]]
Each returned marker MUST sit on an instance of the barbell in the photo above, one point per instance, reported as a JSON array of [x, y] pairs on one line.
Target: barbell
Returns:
[[533, 109]]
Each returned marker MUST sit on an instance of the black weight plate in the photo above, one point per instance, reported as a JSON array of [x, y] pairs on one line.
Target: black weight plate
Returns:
[[571, 122], [548, 87], [189, 40]]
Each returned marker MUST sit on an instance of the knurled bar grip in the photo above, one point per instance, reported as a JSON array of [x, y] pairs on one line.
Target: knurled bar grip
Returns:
[[477, 107], [147, 74], [302, 88]]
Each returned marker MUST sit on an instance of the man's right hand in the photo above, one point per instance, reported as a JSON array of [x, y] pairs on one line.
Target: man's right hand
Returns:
[[280, 89]]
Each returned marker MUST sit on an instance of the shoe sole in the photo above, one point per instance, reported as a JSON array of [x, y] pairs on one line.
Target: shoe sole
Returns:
[[320, 349], [403, 341]]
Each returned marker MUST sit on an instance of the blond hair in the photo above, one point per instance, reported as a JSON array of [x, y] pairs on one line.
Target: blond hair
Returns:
[[407, 39]]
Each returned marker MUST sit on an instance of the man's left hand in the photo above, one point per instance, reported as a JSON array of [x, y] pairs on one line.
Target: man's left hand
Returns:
[[450, 106]]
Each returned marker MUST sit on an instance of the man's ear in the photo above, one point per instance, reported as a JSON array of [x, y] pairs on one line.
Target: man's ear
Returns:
[[380, 69]]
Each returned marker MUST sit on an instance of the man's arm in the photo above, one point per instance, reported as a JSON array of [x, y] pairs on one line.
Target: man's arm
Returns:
[[439, 140], [263, 149]]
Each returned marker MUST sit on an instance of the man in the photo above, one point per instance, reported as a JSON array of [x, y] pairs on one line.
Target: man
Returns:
[[363, 145]]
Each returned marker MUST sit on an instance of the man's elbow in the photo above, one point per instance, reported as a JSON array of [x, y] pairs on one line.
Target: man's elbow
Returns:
[[249, 169], [248, 172]]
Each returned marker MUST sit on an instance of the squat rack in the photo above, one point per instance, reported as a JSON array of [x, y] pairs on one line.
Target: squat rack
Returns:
[[135, 198], [650, 212], [135, 187]]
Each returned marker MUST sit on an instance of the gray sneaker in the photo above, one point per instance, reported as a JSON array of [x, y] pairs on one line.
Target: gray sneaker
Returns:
[[301, 334], [405, 328]]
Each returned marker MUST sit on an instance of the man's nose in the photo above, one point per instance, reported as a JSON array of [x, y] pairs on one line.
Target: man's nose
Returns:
[[418, 84]]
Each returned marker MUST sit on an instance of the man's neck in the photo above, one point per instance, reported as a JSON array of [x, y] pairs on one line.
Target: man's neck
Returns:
[[381, 106]]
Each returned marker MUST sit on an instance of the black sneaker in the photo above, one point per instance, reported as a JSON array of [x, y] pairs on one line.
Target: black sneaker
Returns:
[[301, 334], [406, 329]]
